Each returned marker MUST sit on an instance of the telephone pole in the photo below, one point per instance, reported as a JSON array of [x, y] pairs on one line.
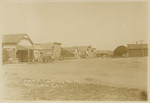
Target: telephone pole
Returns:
[[25, 24], [28, 51]]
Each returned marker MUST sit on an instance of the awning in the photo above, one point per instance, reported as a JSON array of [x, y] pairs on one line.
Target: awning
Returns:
[[25, 47]]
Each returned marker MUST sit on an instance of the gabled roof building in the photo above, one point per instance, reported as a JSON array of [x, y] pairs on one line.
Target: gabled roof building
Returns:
[[19, 46], [85, 51]]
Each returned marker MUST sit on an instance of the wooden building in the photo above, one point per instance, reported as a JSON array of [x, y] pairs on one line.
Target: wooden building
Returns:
[[56, 50], [85, 51], [137, 50], [93, 52], [19, 47], [37, 52], [51, 50], [73, 52]]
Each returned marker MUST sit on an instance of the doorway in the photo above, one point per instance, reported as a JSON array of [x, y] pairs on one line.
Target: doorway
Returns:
[[22, 55]]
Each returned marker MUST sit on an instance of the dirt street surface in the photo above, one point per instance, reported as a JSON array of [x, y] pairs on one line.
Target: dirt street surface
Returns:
[[84, 79]]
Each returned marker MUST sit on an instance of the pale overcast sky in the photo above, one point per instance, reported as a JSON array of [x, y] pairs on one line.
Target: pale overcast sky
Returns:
[[103, 25]]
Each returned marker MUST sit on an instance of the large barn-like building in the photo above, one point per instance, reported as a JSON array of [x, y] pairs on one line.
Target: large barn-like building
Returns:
[[137, 50], [19, 47]]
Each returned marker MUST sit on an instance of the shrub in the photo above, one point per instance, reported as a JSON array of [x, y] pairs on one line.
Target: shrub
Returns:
[[5, 55], [144, 95]]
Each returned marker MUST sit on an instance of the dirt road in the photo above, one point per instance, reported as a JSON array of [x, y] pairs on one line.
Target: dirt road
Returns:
[[120, 74]]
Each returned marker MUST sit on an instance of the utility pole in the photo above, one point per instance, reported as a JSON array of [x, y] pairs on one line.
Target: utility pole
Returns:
[[26, 25], [28, 51]]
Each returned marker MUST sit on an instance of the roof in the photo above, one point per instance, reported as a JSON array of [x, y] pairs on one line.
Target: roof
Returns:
[[57, 43], [37, 47], [137, 46], [46, 46], [82, 48], [12, 38], [70, 49], [24, 47]]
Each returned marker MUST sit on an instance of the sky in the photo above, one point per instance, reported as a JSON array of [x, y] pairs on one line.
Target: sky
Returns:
[[102, 25]]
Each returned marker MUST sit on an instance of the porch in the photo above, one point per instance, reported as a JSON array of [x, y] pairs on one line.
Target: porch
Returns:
[[24, 53]]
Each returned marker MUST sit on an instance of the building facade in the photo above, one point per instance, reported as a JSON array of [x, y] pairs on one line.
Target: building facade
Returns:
[[57, 50], [85, 51], [93, 52], [19, 48], [137, 50], [73, 52], [48, 51], [37, 52]]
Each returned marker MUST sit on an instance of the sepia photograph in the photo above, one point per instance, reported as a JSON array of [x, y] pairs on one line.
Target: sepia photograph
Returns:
[[74, 51]]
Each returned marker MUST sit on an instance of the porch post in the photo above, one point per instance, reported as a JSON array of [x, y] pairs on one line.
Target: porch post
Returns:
[[15, 54], [28, 56]]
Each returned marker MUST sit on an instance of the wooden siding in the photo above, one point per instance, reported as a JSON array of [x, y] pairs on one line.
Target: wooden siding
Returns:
[[137, 52]]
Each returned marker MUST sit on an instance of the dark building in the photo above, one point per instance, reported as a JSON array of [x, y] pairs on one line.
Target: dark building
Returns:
[[137, 50]]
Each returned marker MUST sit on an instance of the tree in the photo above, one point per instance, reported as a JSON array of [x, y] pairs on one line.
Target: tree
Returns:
[[120, 51], [64, 53], [5, 55]]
